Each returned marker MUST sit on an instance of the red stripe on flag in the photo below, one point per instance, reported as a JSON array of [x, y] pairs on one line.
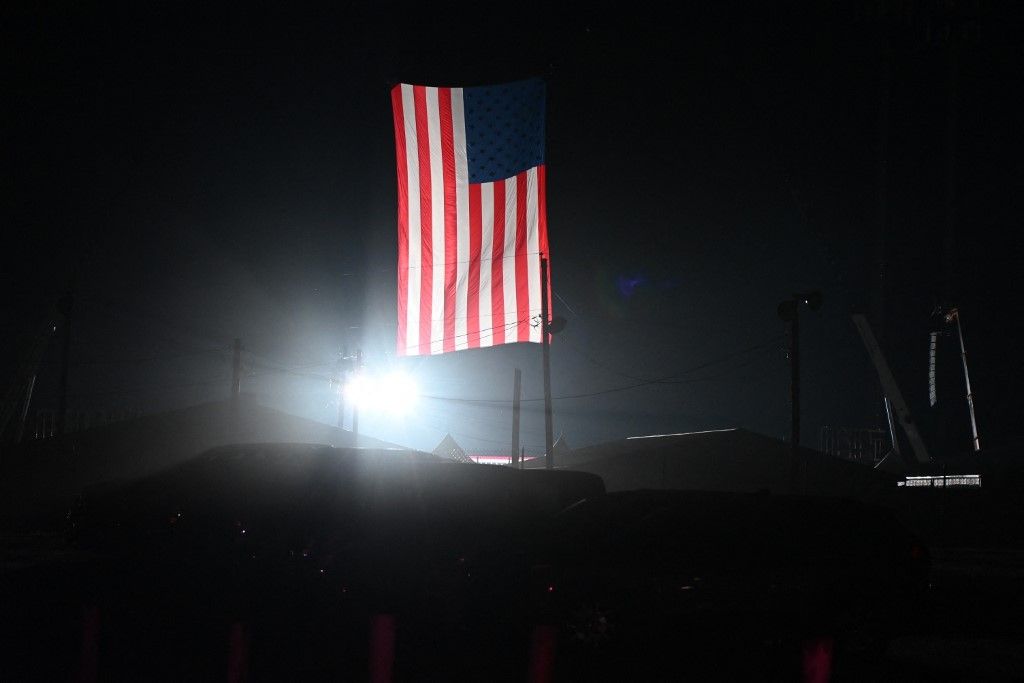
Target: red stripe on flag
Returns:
[[497, 265], [401, 164], [426, 244], [522, 283], [444, 96], [475, 239]]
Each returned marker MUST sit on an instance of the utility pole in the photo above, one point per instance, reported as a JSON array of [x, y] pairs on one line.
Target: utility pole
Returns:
[[340, 371], [236, 370], [234, 419], [545, 305], [65, 305], [355, 404], [794, 396], [516, 393], [789, 311]]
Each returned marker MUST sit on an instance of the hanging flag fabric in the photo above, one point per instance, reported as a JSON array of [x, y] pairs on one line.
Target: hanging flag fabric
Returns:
[[472, 222]]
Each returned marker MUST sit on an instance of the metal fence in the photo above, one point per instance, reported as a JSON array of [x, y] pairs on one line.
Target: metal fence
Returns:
[[859, 444]]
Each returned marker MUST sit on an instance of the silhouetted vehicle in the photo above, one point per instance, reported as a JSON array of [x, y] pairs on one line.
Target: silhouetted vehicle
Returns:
[[723, 585]]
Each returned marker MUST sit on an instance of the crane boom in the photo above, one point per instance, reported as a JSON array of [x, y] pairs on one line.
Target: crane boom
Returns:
[[891, 389]]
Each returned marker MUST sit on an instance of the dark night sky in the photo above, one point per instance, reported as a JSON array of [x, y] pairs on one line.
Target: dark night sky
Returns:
[[202, 176]]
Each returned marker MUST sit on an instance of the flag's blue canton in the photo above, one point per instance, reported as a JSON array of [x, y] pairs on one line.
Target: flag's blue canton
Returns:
[[504, 129]]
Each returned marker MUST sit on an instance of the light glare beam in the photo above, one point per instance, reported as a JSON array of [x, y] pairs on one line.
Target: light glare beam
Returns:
[[394, 393]]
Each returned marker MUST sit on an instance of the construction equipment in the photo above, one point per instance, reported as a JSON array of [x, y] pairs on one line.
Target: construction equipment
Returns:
[[892, 391], [19, 392]]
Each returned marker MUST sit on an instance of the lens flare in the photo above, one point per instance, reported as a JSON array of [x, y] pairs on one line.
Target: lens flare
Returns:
[[393, 393]]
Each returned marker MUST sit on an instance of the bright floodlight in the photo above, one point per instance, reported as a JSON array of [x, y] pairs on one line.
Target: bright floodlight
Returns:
[[394, 393]]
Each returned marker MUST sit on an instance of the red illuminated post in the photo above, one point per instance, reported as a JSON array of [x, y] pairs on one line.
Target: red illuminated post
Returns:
[[238, 653], [89, 657], [543, 642], [382, 648]]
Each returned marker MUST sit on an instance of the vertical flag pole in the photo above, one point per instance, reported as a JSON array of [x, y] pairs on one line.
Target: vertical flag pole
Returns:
[[545, 315], [517, 390]]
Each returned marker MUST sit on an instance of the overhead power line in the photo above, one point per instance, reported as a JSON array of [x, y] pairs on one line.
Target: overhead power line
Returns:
[[149, 388], [671, 379]]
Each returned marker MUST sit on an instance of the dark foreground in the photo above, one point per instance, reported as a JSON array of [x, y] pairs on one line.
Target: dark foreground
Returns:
[[969, 628], [332, 565]]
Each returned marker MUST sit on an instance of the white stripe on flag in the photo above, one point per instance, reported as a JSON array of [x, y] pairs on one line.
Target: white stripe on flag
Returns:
[[533, 251], [436, 223], [508, 263], [486, 250], [412, 308], [462, 219]]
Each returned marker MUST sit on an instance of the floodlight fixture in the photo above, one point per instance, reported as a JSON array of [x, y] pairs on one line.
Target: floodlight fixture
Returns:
[[394, 393]]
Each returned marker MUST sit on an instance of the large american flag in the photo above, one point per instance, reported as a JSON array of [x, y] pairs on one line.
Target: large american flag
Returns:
[[471, 215]]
